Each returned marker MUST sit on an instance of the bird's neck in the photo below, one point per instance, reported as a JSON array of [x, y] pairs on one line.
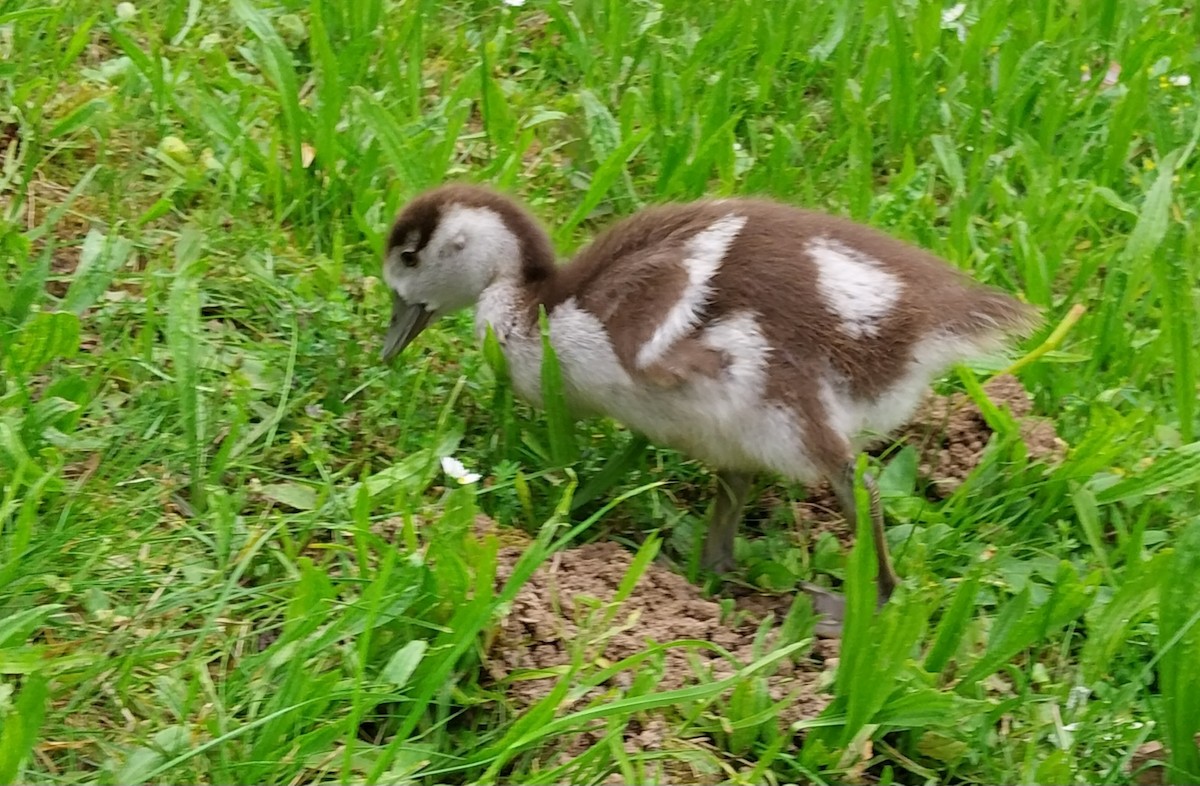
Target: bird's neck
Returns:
[[509, 306], [534, 279]]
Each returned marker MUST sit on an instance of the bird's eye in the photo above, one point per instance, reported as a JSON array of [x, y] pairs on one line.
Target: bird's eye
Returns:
[[408, 258]]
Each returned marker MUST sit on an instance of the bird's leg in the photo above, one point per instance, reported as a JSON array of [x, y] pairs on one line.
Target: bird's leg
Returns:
[[843, 487], [732, 490], [829, 607]]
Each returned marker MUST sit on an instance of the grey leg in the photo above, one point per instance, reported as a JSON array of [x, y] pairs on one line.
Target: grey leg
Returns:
[[830, 609], [732, 490], [843, 487]]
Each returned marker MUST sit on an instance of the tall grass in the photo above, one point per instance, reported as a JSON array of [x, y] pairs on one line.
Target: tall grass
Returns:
[[226, 550]]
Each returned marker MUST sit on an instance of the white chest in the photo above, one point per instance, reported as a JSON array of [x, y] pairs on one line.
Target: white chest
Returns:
[[497, 307], [723, 420], [590, 370]]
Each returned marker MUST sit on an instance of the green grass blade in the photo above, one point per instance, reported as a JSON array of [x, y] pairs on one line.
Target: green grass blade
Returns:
[[1179, 468], [1109, 626], [953, 626], [21, 727], [1151, 226], [498, 120], [49, 336], [183, 342], [1018, 626], [617, 467], [1088, 512], [603, 179], [330, 89], [861, 590], [560, 428], [412, 167], [1179, 652], [99, 260], [287, 87]]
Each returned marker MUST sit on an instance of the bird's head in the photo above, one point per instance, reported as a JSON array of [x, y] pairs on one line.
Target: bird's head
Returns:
[[450, 244]]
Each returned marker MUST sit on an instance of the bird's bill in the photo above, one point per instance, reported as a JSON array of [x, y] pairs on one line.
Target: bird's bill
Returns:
[[408, 320]]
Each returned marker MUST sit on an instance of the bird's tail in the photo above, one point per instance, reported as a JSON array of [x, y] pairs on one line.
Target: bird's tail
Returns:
[[994, 318]]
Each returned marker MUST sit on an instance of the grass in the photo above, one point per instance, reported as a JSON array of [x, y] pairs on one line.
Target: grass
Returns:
[[196, 437]]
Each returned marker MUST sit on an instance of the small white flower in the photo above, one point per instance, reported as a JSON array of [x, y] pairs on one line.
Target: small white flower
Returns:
[[952, 14], [1181, 80], [455, 469], [126, 11], [514, 3], [952, 19]]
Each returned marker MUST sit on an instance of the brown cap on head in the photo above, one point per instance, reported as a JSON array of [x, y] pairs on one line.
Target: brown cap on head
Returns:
[[419, 219]]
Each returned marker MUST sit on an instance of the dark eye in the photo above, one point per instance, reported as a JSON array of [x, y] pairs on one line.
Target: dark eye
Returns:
[[408, 258]]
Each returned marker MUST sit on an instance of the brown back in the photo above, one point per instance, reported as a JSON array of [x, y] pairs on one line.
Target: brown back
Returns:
[[631, 275]]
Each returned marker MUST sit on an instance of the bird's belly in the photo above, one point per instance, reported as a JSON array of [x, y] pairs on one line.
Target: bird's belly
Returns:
[[712, 421], [717, 424], [724, 421]]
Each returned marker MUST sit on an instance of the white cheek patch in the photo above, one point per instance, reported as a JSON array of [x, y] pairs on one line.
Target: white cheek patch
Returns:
[[489, 237], [392, 275], [855, 286], [704, 254], [468, 250]]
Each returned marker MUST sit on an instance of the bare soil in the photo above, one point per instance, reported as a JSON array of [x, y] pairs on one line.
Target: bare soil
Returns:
[[559, 605], [562, 607], [951, 434]]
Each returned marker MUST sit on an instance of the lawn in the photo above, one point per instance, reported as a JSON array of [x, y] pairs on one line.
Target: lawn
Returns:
[[230, 551]]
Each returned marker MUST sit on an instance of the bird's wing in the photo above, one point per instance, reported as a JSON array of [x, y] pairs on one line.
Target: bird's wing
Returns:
[[654, 304]]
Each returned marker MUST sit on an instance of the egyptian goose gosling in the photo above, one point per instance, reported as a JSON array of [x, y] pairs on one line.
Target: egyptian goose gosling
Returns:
[[749, 334]]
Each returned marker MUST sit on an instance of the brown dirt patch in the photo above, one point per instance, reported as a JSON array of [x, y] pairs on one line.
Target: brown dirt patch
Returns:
[[562, 606], [1147, 765], [951, 434]]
